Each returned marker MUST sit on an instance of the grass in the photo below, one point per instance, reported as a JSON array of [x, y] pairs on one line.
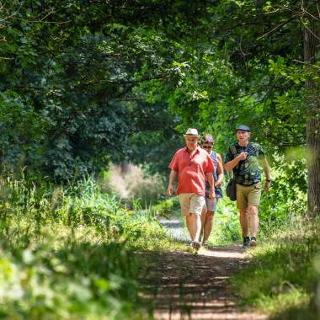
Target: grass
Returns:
[[226, 228], [59, 273], [69, 253], [284, 273]]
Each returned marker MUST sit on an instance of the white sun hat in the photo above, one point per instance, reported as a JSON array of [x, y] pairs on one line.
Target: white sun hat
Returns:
[[192, 132]]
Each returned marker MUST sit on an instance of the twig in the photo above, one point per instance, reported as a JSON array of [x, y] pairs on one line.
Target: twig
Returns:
[[311, 31], [309, 13], [278, 27]]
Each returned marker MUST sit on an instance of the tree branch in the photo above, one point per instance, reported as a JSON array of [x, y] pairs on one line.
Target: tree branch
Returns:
[[278, 27]]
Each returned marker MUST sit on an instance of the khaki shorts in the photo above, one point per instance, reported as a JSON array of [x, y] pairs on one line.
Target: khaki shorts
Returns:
[[191, 203], [248, 195]]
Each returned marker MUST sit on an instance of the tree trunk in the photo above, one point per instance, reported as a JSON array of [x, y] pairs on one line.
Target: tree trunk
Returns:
[[311, 50], [313, 141]]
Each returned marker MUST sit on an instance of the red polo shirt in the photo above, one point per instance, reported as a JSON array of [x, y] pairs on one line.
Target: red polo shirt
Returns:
[[191, 170]]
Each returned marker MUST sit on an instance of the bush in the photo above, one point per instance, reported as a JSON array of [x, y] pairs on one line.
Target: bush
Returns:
[[69, 252], [286, 201]]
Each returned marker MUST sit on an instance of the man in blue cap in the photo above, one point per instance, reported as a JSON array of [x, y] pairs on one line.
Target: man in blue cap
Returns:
[[245, 159]]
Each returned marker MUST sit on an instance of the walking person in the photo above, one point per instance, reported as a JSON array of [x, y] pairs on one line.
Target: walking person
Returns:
[[192, 165], [211, 204], [245, 159]]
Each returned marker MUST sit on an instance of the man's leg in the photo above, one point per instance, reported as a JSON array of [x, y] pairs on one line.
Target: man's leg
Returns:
[[191, 225], [203, 221], [185, 200], [253, 210], [244, 222], [193, 222], [197, 223], [245, 227], [193, 219], [242, 204], [253, 219]]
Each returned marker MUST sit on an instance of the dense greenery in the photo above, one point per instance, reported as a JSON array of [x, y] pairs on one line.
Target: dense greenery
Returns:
[[282, 280], [69, 253], [85, 83], [88, 83]]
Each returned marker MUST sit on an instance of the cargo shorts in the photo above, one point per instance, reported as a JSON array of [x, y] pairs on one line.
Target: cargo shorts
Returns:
[[248, 195], [191, 203]]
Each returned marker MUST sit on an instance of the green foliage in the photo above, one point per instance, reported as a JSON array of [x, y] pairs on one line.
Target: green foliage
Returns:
[[70, 252], [226, 227], [86, 83], [167, 207], [74, 73], [286, 201], [283, 275], [68, 282]]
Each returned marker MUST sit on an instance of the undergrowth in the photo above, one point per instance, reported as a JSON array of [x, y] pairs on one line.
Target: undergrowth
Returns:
[[69, 252], [283, 277]]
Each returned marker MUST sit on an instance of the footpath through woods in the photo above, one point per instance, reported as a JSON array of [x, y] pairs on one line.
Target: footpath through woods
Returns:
[[182, 285]]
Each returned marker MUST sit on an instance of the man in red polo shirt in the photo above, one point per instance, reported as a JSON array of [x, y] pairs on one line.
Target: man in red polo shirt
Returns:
[[192, 165]]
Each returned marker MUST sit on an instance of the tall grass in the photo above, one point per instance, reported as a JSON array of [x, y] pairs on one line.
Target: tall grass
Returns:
[[283, 278], [69, 252]]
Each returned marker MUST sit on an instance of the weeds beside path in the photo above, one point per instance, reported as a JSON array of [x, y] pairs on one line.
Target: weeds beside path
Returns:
[[181, 285]]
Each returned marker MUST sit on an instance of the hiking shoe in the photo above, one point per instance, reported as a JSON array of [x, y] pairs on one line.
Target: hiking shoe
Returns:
[[253, 241], [246, 242], [196, 245]]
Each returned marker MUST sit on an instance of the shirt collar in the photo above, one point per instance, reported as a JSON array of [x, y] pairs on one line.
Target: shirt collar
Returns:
[[197, 150]]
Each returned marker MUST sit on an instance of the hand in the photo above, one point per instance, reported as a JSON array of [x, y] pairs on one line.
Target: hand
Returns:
[[217, 184], [267, 185], [242, 156], [170, 190], [212, 195]]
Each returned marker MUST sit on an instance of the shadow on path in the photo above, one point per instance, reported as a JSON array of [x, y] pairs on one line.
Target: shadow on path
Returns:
[[181, 285]]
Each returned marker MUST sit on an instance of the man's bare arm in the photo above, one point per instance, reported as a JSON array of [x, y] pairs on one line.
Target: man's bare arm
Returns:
[[210, 180], [266, 168], [234, 162], [172, 177], [267, 173]]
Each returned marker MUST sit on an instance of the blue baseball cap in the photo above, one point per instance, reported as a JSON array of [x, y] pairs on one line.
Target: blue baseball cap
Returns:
[[243, 127]]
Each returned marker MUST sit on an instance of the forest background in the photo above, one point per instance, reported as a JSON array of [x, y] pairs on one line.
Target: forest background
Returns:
[[86, 84]]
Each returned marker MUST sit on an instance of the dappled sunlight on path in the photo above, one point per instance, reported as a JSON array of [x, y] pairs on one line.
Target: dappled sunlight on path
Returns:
[[182, 285]]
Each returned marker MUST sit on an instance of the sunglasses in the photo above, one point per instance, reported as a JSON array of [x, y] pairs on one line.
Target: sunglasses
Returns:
[[207, 146]]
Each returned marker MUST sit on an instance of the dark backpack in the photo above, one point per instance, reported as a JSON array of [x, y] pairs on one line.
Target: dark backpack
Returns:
[[231, 189]]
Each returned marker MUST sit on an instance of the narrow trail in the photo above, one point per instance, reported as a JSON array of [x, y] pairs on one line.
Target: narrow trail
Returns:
[[182, 285]]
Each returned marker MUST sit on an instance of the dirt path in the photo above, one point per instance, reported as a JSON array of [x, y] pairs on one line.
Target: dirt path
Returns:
[[181, 285]]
